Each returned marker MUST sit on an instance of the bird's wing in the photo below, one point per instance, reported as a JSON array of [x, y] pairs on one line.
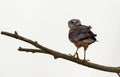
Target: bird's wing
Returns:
[[92, 35], [71, 35], [78, 33], [81, 33]]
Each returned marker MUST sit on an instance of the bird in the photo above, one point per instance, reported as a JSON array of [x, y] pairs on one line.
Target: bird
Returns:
[[80, 35]]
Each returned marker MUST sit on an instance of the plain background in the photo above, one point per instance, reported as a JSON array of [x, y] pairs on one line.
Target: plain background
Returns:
[[45, 21]]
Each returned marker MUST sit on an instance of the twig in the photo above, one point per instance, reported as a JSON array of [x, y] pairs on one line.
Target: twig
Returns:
[[31, 50], [56, 54], [34, 43]]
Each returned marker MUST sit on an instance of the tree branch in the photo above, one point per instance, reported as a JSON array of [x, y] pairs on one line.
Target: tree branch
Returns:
[[57, 54]]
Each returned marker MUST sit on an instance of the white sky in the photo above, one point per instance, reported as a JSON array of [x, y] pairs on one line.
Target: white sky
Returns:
[[46, 22]]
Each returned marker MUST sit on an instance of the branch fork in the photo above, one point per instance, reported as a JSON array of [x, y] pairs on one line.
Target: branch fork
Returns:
[[56, 54]]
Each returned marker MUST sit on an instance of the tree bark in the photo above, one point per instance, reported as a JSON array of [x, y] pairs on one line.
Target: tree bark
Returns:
[[56, 54]]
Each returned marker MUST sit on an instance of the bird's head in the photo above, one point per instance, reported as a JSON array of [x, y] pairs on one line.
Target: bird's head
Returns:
[[74, 22]]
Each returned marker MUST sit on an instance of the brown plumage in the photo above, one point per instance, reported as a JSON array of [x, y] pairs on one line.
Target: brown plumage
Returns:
[[80, 35]]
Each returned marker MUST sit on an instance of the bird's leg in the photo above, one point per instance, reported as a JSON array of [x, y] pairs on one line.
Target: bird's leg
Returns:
[[76, 52], [85, 48]]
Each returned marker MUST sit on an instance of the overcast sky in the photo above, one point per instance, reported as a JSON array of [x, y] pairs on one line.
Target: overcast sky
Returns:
[[46, 22]]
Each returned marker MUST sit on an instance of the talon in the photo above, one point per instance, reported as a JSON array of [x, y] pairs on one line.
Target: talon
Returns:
[[86, 60], [69, 54], [77, 56], [72, 55]]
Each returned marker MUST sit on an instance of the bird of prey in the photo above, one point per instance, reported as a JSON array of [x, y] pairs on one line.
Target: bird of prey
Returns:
[[80, 35]]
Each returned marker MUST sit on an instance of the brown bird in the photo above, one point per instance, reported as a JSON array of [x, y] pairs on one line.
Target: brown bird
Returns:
[[80, 35]]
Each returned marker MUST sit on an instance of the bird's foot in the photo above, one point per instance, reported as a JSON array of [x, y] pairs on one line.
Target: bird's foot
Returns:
[[86, 60], [75, 55], [71, 55]]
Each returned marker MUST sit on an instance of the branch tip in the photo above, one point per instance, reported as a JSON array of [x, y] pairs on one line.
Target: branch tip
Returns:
[[2, 32], [55, 57], [19, 48], [36, 42], [15, 33]]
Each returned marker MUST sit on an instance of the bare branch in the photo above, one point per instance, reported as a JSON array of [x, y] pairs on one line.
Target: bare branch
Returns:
[[31, 50], [34, 43], [57, 54], [54, 53]]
